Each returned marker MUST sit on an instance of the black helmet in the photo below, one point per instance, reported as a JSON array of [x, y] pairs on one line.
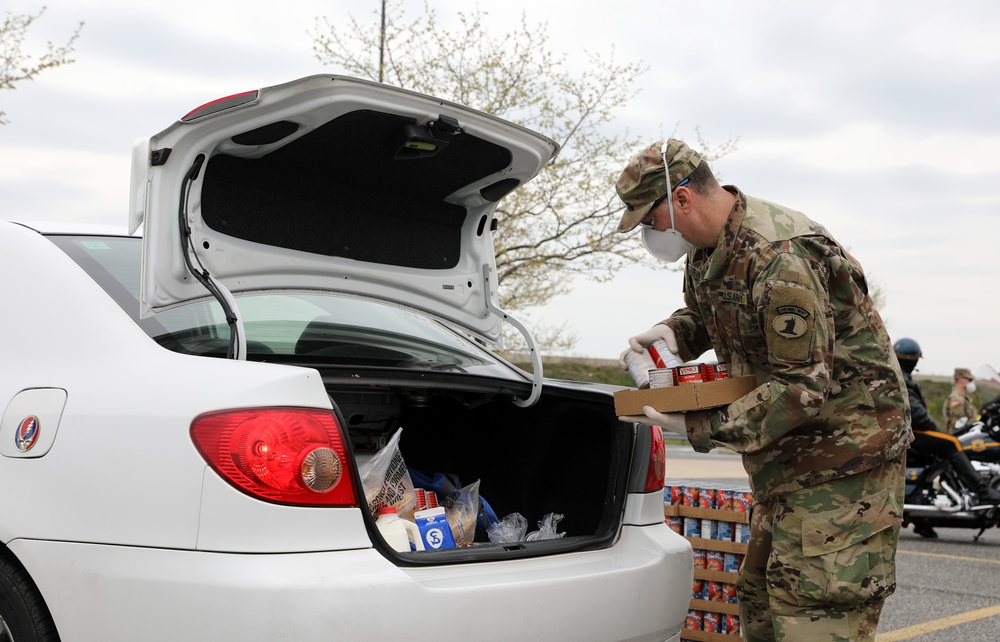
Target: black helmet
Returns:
[[908, 352]]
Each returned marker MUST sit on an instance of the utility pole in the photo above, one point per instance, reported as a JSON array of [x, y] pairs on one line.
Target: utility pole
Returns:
[[381, 50]]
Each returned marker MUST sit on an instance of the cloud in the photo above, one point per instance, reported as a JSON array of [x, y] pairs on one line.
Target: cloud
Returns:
[[876, 119]]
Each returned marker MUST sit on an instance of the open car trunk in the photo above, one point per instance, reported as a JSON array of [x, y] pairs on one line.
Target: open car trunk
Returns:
[[348, 226], [566, 455]]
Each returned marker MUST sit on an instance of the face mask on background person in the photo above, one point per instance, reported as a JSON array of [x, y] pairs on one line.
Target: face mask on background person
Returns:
[[970, 387]]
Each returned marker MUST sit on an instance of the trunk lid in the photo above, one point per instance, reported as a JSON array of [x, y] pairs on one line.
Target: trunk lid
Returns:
[[330, 183]]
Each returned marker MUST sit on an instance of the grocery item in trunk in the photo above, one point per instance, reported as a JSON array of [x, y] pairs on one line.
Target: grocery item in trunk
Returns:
[[386, 481]]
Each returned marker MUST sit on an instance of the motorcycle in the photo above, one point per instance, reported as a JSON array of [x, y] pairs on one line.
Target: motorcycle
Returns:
[[937, 496]]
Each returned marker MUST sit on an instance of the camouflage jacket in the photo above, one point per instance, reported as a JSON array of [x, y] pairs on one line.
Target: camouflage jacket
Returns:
[[780, 300], [956, 406]]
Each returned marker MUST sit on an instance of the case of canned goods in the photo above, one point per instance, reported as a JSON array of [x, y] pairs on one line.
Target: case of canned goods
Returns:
[[722, 511]]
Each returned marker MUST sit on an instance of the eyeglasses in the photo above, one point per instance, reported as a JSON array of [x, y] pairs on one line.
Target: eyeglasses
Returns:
[[648, 221]]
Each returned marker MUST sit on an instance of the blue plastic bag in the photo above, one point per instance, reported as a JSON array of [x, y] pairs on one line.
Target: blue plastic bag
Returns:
[[448, 489]]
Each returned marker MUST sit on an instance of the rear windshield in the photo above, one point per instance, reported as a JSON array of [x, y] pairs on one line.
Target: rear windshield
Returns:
[[307, 327]]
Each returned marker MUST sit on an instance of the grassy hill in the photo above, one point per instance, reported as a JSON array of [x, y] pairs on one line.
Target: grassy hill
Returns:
[[935, 388]]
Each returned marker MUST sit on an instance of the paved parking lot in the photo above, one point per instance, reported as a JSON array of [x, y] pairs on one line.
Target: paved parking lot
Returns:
[[947, 589], [684, 463]]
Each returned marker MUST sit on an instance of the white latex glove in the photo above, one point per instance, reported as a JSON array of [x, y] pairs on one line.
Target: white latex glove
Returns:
[[640, 342], [659, 331], [669, 422]]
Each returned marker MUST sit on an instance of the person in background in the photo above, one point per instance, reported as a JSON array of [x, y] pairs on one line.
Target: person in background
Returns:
[[959, 404], [824, 434], [927, 439]]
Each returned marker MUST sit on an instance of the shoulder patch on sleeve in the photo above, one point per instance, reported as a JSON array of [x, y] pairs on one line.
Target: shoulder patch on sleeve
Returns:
[[790, 275], [791, 321]]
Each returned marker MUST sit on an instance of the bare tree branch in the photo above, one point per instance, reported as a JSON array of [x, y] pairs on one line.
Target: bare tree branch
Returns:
[[16, 64], [564, 222]]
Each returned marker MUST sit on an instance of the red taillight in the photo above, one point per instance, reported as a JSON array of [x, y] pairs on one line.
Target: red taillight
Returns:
[[285, 455], [657, 461]]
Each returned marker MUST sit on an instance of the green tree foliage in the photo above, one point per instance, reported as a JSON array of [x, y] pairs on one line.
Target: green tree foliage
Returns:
[[16, 64], [563, 223]]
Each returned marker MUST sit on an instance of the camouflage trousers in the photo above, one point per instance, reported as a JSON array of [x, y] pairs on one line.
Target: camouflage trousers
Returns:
[[822, 560]]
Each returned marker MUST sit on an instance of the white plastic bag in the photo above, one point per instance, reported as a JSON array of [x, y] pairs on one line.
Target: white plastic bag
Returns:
[[386, 481], [462, 510], [508, 530], [547, 528]]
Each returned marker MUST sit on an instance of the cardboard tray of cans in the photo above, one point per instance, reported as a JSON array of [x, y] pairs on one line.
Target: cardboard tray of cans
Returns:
[[716, 521], [685, 397], [684, 388]]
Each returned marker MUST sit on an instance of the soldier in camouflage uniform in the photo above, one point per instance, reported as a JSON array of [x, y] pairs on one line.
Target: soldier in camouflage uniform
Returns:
[[823, 436], [959, 404]]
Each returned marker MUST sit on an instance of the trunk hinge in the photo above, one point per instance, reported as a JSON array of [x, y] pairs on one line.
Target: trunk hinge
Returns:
[[237, 333], [536, 359]]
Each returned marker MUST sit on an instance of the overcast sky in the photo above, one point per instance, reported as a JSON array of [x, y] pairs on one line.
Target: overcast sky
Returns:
[[877, 119]]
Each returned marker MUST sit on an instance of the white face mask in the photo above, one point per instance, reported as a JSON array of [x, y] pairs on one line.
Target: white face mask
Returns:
[[668, 246], [970, 387]]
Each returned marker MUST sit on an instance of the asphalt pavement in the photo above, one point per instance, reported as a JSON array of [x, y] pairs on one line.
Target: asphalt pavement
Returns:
[[717, 465], [947, 589]]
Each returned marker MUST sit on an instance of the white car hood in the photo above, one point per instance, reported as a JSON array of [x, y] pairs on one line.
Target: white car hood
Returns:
[[334, 184]]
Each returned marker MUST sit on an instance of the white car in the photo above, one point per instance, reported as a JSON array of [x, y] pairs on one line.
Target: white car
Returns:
[[184, 412]]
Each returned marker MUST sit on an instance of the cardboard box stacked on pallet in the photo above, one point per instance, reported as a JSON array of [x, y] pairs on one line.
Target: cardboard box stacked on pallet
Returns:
[[715, 519]]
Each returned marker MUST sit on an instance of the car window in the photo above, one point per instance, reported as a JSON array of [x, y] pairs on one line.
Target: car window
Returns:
[[310, 326]]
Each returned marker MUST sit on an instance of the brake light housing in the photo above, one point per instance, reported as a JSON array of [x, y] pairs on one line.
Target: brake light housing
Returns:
[[220, 104], [295, 456], [657, 468]]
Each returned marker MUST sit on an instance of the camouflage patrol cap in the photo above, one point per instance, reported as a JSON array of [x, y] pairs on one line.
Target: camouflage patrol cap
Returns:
[[642, 181], [964, 373]]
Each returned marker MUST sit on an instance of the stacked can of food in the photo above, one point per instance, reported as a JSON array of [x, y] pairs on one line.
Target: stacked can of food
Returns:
[[662, 356], [652, 364], [740, 503], [639, 365], [721, 499], [672, 495], [708, 498], [691, 496], [661, 378], [685, 373], [714, 371]]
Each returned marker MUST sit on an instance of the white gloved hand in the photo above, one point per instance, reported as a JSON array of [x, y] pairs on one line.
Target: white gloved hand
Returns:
[[659, 331], [640, 342], [669, 422]]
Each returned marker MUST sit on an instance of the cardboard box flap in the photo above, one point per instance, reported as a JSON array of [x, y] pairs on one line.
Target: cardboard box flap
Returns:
[[685, 397]]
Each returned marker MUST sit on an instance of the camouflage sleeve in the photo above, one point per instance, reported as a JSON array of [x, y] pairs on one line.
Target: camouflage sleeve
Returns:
[[796, 326], [954, 408], [689, 327], [970, 410]]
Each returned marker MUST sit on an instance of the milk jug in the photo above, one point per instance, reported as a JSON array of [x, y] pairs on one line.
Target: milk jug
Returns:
[[400, 534]]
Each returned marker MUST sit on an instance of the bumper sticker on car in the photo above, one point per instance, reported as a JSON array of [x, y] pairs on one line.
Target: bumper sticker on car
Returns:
[[27, 434]]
